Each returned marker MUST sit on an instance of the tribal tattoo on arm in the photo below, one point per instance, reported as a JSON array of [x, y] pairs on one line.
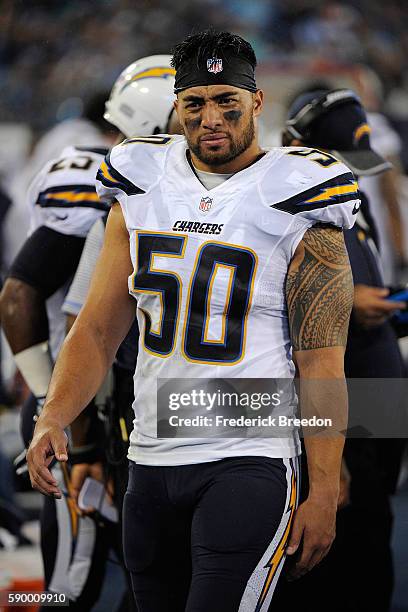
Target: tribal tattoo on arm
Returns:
[[319, 290]]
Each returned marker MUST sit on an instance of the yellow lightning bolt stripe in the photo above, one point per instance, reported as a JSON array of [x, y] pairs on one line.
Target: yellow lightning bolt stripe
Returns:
[[73, 196], [362, 129], [330, 192], [123, 429], [276, 558], [153, 72], [105, 172], [70, 501]]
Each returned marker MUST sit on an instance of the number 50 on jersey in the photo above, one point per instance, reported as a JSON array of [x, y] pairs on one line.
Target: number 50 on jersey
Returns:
[[235, 264]]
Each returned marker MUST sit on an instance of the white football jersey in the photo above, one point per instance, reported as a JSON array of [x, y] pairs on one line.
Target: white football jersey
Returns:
[[63, 197], [210, 270]]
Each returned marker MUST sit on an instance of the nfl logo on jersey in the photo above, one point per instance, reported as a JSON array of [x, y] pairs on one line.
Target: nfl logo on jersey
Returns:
[[205, 204], [214, 65]]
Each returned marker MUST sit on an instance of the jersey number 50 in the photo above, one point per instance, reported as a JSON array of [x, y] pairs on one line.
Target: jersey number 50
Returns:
[[239, 264]]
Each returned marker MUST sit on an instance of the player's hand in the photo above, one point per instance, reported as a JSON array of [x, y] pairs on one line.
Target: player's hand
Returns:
[[79, 473], [370, 306], [49, 442], [345, 480], [314, 526]]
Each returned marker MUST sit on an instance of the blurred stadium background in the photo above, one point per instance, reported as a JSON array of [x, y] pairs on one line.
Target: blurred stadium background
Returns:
[[56, 56]]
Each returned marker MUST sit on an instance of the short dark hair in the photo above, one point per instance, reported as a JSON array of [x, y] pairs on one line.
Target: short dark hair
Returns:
[[211, 43]]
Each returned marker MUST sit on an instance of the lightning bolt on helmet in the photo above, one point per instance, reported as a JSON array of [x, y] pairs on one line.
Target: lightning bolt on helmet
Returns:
[[142, 97]]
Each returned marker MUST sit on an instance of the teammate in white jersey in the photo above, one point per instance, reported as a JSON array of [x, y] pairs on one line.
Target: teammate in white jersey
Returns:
[[236, 259], [64, 206]]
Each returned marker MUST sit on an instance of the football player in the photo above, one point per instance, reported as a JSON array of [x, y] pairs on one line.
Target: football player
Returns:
[[237, 261], [65, 206], [335, 120]]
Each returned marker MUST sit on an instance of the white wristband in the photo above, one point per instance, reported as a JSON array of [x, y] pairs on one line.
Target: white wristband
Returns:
[[35, 365]]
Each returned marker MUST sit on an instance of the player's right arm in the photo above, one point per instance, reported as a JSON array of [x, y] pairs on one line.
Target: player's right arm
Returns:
[[86, 354], [84, 435]]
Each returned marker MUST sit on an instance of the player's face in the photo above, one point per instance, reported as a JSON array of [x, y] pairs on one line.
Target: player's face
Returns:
[[218, 121]]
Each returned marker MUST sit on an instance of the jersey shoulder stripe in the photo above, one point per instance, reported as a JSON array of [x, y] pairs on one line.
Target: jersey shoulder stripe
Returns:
[[136, 165], [337, 190], [71, 196], [110, 177]]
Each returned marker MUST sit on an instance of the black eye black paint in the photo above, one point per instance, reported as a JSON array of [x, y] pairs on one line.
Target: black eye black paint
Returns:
[[232, 115], [193, 124]]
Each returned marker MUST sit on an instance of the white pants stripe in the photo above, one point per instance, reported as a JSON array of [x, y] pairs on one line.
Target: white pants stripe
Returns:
[[261, 585]]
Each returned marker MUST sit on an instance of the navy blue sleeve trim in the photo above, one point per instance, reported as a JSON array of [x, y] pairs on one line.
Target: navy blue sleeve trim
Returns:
[[110, 177], [98, 150], [71, 196], [342, 188]]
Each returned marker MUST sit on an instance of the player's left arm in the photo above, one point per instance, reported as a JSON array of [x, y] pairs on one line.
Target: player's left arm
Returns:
[[319, 294]]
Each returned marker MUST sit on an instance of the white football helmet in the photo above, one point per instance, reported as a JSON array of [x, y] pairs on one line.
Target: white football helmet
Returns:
[[142, 97]]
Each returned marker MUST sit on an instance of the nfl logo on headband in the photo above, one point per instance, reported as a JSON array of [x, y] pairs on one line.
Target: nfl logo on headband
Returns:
[[214, 65]]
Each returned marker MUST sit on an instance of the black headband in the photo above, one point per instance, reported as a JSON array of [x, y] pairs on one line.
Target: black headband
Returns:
[[230, 70]]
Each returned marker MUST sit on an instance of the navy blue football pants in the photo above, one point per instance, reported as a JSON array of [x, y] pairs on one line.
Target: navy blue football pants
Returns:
[[209, 536]]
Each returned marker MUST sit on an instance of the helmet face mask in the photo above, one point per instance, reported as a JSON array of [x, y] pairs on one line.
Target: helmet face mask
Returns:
[[345, 133], [298, 125], [142, 97]]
